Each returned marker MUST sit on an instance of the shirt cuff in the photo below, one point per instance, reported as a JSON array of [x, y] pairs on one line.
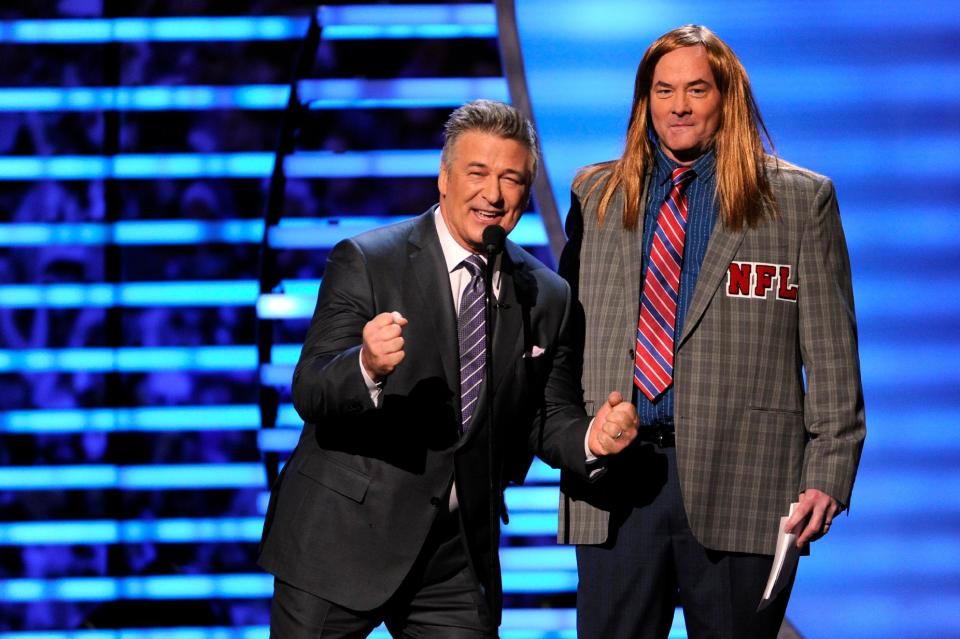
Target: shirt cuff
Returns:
[[595, 465], [591, 458], [374, 388]]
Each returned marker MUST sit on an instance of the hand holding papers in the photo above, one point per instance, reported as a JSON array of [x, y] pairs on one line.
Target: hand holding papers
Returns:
[[784, 562]]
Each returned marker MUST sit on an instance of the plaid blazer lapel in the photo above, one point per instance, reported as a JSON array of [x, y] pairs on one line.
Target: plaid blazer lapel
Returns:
[[721, 250]]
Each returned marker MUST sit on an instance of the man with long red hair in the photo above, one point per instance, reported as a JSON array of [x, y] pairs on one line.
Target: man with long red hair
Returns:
[[715, 288]]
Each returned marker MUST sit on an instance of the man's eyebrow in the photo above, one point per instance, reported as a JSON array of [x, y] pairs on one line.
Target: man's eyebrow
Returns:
[[689, 84], [481, 165]]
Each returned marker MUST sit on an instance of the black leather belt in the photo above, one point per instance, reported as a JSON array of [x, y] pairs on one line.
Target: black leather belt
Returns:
[[660, 433]]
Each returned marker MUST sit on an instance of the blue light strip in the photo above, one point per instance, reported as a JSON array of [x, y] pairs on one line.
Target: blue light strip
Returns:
[[130, 294], [285, 306], [201, 632], [399, 93], [306, 233], [89, 31], [338, 93], [151, 294], [280, 375], [351, 164], [291, 233], [306, 164], [235, 586], [518, 623], [229, 529], [527, 525], [541, 473], [301, 288], [277, 440], [403, 15], [538, 558], [130, 359], [258, 632], [263, 499], [533, 498], [340, 23], [144, 419], [539, 581], [133, 233], [150, 477], [400, 31], [153, 98], [239, 586]]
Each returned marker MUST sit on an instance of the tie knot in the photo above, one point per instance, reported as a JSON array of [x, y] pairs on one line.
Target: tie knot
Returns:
[[682, 175], [475, 265]]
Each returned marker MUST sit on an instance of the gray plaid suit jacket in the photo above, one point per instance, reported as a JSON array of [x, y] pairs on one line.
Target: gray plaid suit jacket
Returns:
[[751, 434]]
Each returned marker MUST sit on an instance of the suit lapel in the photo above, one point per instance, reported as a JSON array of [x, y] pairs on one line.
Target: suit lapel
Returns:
[[432, 287], [516, 289], [721, 250]]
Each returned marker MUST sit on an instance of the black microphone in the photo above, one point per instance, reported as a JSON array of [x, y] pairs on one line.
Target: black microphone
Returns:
[[493, 238]]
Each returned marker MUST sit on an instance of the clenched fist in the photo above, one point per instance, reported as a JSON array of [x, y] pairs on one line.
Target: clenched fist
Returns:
[[382, 349], [614, 427]]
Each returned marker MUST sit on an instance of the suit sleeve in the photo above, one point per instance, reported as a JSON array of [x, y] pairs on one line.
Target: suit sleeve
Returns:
[[327, 382], [833, 405], [563, 422]]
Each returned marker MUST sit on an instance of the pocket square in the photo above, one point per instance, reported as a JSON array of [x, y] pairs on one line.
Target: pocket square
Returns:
[[535, 351]]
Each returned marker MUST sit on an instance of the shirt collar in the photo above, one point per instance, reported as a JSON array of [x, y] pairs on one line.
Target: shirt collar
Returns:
[[704, 167], [453, 253]]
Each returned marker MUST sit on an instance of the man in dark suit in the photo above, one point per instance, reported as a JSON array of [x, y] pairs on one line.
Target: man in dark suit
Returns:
[[713, 279], [388, 510]]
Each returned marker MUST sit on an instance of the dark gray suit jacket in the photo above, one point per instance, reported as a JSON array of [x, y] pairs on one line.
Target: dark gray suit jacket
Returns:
[[751, 432], [353, 505]]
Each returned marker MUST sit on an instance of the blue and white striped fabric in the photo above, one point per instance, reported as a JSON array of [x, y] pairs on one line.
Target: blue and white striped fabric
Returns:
[[472, 335]]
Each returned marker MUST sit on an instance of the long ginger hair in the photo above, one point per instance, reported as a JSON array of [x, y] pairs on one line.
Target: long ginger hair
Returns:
[[743, 190]]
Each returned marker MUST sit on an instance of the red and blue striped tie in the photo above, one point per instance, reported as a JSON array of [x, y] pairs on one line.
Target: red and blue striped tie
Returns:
[[653, 369]]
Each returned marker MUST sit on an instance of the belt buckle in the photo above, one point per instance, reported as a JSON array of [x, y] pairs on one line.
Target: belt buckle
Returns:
[[659, 436]]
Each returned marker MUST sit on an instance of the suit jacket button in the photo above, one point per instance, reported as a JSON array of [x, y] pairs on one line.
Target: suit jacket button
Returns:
[[435, 501], [630, 353]]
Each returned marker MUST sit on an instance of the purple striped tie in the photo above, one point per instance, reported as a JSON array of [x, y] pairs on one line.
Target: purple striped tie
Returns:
[[472, 334], [656, 329]]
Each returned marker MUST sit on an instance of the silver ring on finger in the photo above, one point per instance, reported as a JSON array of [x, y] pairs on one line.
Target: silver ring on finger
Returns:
[[619, 434]]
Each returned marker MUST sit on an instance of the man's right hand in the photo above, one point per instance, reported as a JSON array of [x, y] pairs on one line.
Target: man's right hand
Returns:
[[613, 427], [382, 349]]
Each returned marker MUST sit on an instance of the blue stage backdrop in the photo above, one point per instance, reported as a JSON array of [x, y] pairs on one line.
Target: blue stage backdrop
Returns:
[[136, 146], [867, 93]]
